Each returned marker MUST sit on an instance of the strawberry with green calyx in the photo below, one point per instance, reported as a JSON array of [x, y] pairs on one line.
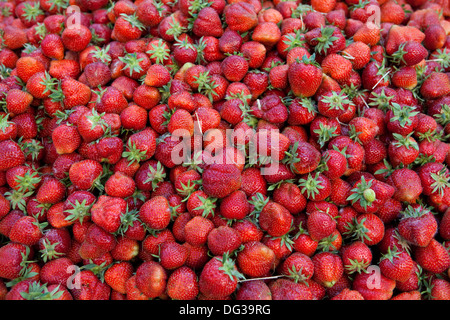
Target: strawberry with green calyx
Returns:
[[127, 27], [219, 277], [417, 225], [366, 227], [434, 178], [368, 196], [396, 265], [315, 187], [402, 119], [159, 51], [140, 146], [305, 77], [325, 40], [323, 129], [356, 257], [403, 150], [298, 266], [333, 104], [302, 158]]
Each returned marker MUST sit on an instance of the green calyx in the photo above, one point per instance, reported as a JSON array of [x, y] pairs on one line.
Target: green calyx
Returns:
[[363, 193]]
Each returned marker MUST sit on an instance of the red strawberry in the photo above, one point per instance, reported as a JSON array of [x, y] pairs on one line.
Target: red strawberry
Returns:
[[275, 219], [182, 284], [418, 226], [328, 268], [118, 274], [305, 77], [241, 17], [396, 265], [256, 259], [219, 277], [433, 258], [373, 286], [155, 213], [285, 289]]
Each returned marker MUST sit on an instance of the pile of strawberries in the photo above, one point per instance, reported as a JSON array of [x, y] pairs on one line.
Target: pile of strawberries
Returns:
[[348, 102]]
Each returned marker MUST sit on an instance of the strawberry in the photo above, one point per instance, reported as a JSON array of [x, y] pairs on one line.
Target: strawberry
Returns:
[[305, 77], [298, 266], [400, 34], [66, 139], [435, 86], [241, 17], [219, 277], [207, 23], [336, 66], [268, 33], [182, 284], [407, 183], [356, 257], [320, 225], [11, 155], [433, 258], [328, 268], [96, 243], [253, 290], [85, 174], [17, 101], [76, 38], [173, 255], [56, 271], [275, 219], [256, 259], [417, 226], [365, 284], [155, 213], [223, 239], [127, 27], [197, 229], [285, 289]]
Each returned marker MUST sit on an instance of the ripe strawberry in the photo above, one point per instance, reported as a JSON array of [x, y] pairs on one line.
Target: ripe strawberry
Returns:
[[305, 77], [219, 277], [373, 286], [241, 17], [117, 275], [256, 259], [56, 271], [207, 23], [76, 38], [182, 284], [155, 213], [418, 226], [197, 229], [173, 255], [298, 266], [328, 268], [285, 289], [223, 239], [433, 258], [253, 290], [85, 174], [275, 219]]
